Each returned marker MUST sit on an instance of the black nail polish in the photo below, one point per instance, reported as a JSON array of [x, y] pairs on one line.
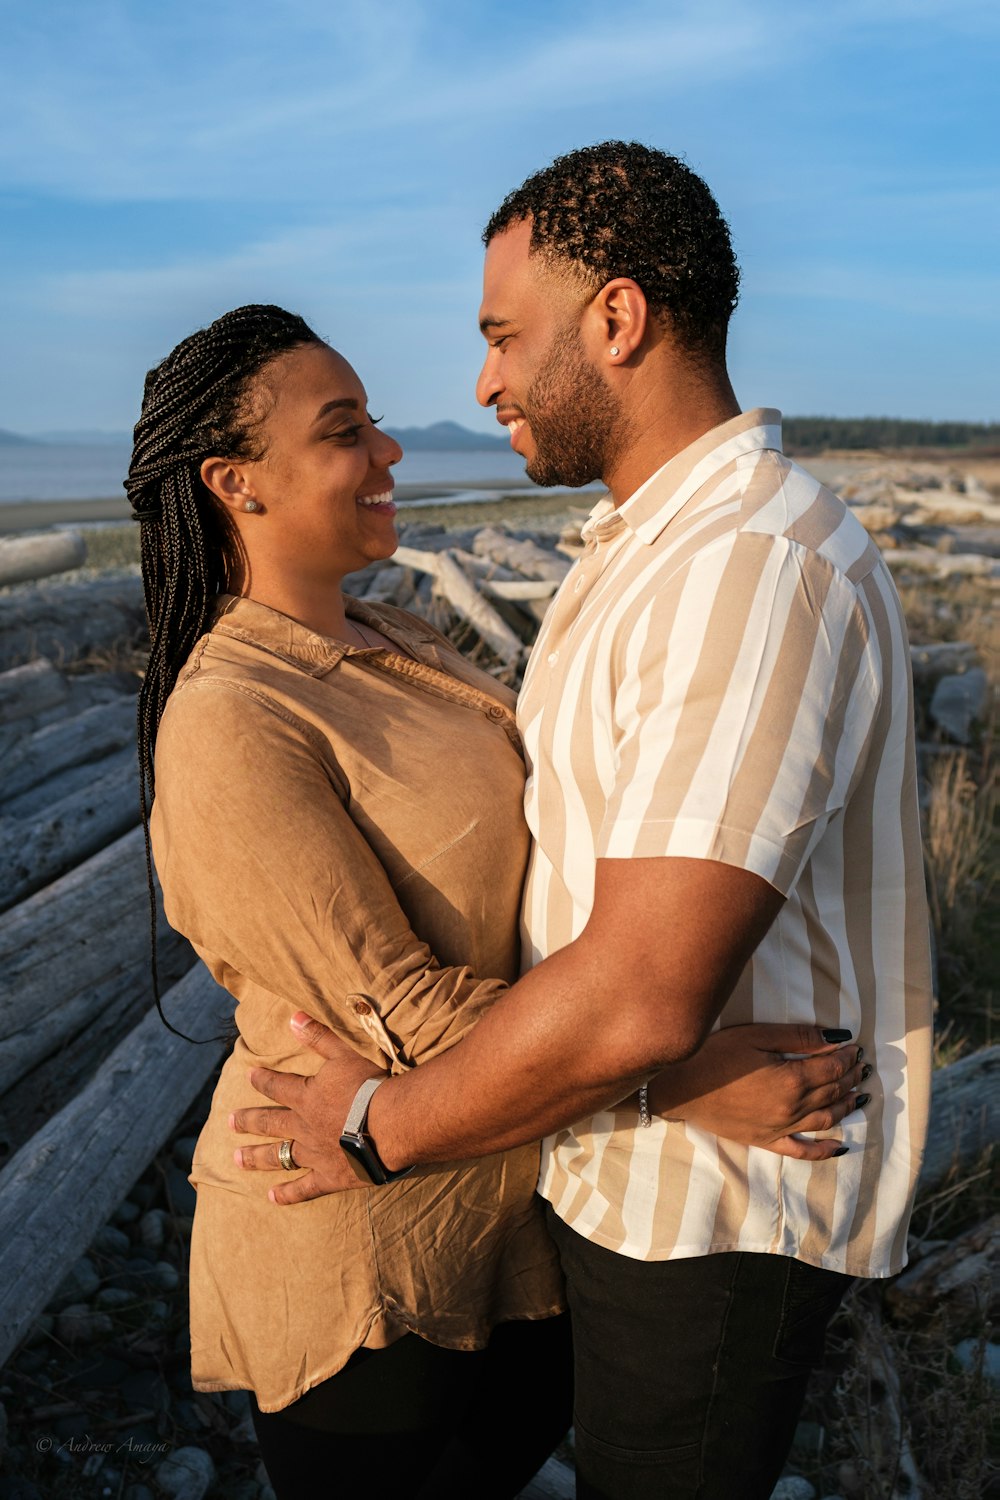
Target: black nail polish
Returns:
[[835, 1034], [841, 1150], [866, 1072], [862, 1100]]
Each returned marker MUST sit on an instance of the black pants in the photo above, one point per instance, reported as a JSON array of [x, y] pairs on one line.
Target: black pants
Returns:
[[417, 1422], [690, 1374]]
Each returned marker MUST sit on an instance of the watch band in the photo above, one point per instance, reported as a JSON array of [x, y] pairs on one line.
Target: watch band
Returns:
[[357, 1115], [358, 1144]]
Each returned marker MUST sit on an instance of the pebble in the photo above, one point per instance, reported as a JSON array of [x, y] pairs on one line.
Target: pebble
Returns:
[[79, 1284], [793, 1487], [165, 1276], [114, 1296], [186, 1474], [967, 1355], [79, 1324], [152, 1228], [111, 1241], [126, 1213], [40, 1331]]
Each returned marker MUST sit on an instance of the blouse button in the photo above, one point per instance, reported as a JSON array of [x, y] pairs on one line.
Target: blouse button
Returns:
[[495, 711], [362, 1008]]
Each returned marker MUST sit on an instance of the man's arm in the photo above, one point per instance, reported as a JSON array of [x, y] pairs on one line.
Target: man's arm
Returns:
[[639, 989]]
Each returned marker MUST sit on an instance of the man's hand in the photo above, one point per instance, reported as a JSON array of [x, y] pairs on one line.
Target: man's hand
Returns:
[[743, 1085], [311, 1115]]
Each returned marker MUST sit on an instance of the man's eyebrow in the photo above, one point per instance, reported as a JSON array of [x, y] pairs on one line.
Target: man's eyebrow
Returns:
[[330, 406], [489, 321]]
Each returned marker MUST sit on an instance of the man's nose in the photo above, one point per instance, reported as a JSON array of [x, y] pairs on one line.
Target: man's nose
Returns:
[[489, 385]]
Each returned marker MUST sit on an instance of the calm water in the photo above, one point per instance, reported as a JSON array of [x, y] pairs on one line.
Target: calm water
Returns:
[[78, 472]]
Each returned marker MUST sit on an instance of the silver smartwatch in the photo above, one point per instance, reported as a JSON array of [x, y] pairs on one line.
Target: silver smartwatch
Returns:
[[355, 1140]]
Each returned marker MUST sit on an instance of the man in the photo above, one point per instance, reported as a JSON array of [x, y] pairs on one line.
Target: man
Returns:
[[717, 718]]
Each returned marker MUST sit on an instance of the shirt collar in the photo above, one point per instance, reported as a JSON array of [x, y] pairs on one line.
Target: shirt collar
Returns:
[[259, 625], [655, 503]]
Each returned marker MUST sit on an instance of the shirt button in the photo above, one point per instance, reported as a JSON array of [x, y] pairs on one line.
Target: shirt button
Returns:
[[553, 657]]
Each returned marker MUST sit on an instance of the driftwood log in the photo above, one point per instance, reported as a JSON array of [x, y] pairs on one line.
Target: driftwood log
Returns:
[[76, 953], [66, 621], [78, 740], [24, 558], [61, 1187], [30, 689], [965, 1116], [465, 598], [34, 850], [942, 659], [941, 564]]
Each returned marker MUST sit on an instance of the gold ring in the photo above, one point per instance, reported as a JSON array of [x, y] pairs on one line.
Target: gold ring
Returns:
[[286, 1158]]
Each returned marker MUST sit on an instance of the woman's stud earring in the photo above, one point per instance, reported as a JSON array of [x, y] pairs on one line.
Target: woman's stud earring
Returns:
[[250, 505], [615, 349]]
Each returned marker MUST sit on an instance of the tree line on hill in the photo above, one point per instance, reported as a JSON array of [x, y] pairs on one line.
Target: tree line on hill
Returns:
[[817, 433]]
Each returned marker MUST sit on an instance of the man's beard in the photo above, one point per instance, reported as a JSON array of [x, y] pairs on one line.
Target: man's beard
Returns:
[[575, 419]]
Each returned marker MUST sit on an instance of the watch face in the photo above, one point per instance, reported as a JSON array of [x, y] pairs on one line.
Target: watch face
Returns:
[[361, 1158]]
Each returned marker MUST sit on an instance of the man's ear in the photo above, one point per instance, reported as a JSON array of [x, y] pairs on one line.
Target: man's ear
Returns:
[[228, 482], [619, 320]]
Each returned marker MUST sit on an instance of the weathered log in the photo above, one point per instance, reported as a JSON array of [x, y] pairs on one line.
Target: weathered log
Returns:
[[68, 620], [942, 564], [469, 603], [965, 1116], [59, 1189], [76, 951], [960, 1280], [461, 593], [24, 558], [76, 741], [526, 557], [35, 850], [28, 690]]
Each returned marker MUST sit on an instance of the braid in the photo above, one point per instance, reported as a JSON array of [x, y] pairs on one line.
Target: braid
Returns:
[[195, 405]]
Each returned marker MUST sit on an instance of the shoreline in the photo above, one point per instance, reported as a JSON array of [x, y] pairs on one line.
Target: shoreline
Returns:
[[38, 515]]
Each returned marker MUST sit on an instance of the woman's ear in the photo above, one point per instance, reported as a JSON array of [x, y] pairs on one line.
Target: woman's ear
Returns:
[[230, 483]]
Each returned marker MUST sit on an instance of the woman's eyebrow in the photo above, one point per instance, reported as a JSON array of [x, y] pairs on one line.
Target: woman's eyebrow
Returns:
[[330, 406]]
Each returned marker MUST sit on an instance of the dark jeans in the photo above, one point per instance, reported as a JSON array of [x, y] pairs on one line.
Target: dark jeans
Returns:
[[690, 1374], [426, 1423]]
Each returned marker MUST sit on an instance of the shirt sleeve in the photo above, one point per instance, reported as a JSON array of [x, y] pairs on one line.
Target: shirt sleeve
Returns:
[[747, 695], [264, 871]]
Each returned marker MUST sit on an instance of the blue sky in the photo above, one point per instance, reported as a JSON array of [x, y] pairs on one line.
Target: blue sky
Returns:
[[162, 163]]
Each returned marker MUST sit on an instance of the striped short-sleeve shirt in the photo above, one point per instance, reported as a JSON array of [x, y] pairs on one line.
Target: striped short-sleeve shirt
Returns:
[[725, 675]]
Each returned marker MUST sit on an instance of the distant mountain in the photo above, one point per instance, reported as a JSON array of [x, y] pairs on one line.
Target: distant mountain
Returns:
[[86, 438], [446, 437], [440, 437], [13, 439]]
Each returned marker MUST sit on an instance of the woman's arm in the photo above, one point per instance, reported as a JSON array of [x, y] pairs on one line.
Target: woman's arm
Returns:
[[264, 870]]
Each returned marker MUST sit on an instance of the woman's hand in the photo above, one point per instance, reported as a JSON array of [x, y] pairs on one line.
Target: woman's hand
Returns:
[[754, 1085]]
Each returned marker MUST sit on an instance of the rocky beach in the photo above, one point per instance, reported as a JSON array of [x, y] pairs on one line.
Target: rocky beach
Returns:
[[102, 1104]]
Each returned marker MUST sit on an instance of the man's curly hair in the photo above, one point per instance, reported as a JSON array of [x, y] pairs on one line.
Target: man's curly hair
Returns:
[[623, 209]]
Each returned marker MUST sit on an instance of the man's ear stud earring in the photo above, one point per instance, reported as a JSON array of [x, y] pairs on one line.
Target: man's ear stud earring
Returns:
[[614, 349], [250, 505]]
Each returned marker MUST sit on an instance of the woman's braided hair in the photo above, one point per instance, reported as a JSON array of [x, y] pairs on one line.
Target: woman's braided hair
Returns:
[[196, 404]]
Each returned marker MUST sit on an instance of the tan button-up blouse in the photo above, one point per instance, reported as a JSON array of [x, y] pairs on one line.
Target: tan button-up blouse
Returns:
[[340, 830]]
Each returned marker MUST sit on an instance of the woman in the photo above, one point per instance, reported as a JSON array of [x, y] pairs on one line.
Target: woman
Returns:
[[336, 828]]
